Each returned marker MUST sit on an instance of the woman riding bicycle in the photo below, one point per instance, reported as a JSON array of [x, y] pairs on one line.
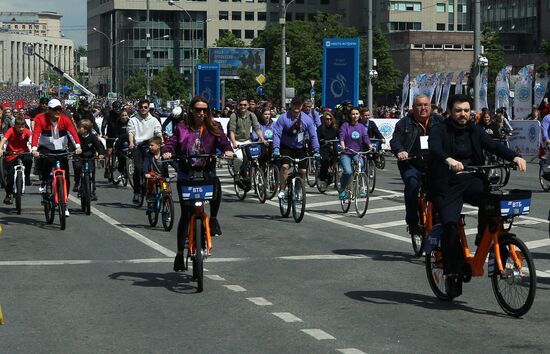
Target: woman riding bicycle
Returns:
[[197, 134], [353, 136], [327, 131]]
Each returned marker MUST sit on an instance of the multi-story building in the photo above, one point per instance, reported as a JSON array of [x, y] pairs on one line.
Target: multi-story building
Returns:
[[42, 31]]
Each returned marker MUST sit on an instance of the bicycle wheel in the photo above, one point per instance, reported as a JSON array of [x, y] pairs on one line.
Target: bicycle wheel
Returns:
[[18, 191], [198, 257], [49, 209], [418, 244], [167, 211], [371, 171], [143, 190], [515, 287], [2, 173], [230, 167], [311, 171], [272, 180], [321, 185], [85, 194], [381, 162], [61, 205], [298, 199], [260, 185], [114, 172], [345, 203], [285, 203], [130, 171], [239, 191], [338, 176], [544, 183], [361, 194], [505, 176], [434, 272]]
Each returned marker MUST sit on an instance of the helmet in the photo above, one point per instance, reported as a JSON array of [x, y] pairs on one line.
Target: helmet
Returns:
[[117, 107], [177, 111]]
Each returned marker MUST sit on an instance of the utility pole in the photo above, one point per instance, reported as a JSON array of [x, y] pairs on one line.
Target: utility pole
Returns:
[[148, 50], [369, 57], [477, 52], [282, 21]]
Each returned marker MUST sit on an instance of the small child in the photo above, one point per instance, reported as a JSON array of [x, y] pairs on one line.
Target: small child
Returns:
[[17, 138], [153, 167], [90, 145]]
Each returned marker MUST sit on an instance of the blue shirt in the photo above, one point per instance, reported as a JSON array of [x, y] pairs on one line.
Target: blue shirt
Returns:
[[315, 117], [283, 132], [545, 126]]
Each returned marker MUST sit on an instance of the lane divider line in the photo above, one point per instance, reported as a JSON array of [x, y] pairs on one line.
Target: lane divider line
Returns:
[[235, 288], [287, 317], [318, 334], [260, 301]]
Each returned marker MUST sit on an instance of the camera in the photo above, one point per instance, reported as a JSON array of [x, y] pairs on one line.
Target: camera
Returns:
[[482, 61]]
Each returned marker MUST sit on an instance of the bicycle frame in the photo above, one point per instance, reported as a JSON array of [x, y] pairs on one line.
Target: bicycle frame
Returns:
[[20, 167], [57, 172], [198, 212]]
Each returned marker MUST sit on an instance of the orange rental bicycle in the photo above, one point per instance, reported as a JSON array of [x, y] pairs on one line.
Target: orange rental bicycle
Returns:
[[510, 265], [425, 218]]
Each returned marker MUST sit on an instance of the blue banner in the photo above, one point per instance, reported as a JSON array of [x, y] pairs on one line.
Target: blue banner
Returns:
[[340, 71], [208, 83]]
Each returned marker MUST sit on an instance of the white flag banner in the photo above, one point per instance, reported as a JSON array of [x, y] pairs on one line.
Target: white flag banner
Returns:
[[446, 90], [483, 88], [431, 85], [439, 87], [523, 92], [405, 92], [412, 86], [458, 85], [502, 88], [541, 83]]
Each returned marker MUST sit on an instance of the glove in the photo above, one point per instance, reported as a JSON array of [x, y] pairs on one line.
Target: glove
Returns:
[[317, 155], [276, 153]]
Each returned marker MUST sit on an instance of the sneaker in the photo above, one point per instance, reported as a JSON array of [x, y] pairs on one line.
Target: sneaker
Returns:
[[179, 264], [67, 214], [76, 187], [28, 181], [282, 194], [342, 195], [8, 200], [215, 228], [94, 197], [136, 198], [453, 285], [414, 229], [42, 188]]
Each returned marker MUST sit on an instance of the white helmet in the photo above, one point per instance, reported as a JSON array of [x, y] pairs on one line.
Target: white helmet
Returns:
[[177, 111]]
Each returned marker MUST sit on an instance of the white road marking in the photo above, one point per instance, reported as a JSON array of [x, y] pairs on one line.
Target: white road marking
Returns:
[[537, 243], [527, 222], [215, 277], [83, 261], [350, 351], [337, 202], [384, 225], [541, 274], [386, 209], [134, 234], [235, 288], [260, 301], [318, 334], [323, 257], [287, 317]]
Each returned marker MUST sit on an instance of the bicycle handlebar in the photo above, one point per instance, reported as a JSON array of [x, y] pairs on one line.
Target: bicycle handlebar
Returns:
[[483, 168]]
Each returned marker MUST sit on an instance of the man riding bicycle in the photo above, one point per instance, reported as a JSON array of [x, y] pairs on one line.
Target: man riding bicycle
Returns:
[[408, 141], [290, 140], [142, 126], [455, 144]]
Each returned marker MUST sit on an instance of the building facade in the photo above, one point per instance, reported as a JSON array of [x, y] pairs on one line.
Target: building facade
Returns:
[[42, 31]]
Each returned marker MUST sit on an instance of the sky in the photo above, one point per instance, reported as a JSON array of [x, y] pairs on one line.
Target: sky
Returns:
[[73, 22]]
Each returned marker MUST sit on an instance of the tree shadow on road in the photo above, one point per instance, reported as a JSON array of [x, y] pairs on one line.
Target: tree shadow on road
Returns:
[[20, 220], [117, 205], [384, 256], [382, 297], [176, 282]]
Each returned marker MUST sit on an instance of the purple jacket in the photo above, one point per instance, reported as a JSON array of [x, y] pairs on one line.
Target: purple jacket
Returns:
[[182, 142], [354, 136]]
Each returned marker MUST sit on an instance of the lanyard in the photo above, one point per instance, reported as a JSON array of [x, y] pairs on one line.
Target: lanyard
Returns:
[[198, 139], [424, 127]]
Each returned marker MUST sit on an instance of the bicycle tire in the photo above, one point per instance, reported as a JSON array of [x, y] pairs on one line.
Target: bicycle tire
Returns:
[[321, 187], [116, 175], [18, 191], [513, 276], [167, 214], [239, 192], [49, 209], [381, 162], [298, 199], [434, 272], [142, 193], [85, 196], [272, 180], [285, 203], [310, 173], [3, 176], [506, 176], [371, 170], [198, 269], [130, 171], [345, 203], [361, 194], [230, 167], [545, 184], [61, 205], [338, 172], [154, 208], [418, 242], [260, 185]]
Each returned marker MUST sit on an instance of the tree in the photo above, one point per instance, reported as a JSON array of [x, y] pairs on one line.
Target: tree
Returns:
[[52, 78], [136, 87], [169, 84], [244, 87], [544, 69]]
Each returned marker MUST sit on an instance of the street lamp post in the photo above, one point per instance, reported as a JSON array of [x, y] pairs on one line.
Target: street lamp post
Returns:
[[111, 48], [191, 22], [148, 50], [369, 57], [477, 53], [282, 21]]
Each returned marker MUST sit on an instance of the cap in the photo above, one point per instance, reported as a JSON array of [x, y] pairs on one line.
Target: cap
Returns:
[[177, 111], [54, 103], [296, 100]]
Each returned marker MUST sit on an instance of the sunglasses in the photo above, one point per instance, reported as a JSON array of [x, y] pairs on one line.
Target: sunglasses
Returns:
[[144, 107], [57, 109], [198, 110], [243, 105]]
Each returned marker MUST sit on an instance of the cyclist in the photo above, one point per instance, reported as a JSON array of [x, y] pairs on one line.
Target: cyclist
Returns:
[[454, 145], [142, 126], [17, 138], [327, 131], [51, 135], [372, 128], [198, 134], [545, 128], [90, 145], [8, 119], [175, 117], [83, 112], [290, 140], [353, 136], [408, 140], [308, 109], [109, 129], [152, 167]]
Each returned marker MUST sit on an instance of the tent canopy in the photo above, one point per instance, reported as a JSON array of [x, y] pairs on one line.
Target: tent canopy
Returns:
[[26, 83]]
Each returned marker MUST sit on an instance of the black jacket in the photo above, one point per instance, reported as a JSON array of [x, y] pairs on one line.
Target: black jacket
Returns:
[[373, 131], [441, 144]]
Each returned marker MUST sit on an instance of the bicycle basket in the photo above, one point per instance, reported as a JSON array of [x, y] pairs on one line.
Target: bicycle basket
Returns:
[[197, 190], [509, 203], [254, 151]]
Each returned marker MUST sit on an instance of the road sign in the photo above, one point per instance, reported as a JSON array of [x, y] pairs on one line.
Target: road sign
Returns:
[[260, 91], [158, 102], [312, 93], [260, 79]]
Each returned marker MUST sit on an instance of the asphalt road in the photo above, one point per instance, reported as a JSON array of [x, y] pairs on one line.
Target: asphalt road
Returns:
[[333, 283]]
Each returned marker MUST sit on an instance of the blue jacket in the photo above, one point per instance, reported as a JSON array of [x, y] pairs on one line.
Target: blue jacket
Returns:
[[283, 132]]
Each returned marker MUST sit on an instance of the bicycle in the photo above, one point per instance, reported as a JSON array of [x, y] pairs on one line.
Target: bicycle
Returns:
[[162, 203], [425, 217], [117, 174], [295, 198], [55, 195], [18, 179], [87, 187], [251, 175], [501, 175], [544, 169], [357, 189], [510, 266], [335, 169]]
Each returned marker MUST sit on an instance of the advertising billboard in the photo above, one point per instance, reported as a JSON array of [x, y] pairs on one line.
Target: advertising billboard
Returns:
[[340, 71], [208, 83], [231, 59]]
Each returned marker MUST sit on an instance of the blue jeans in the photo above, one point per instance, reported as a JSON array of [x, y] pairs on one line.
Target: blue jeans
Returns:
[[411, 177], [345, 160]]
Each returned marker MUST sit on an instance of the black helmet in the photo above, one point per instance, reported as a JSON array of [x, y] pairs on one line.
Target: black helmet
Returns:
[[117, 106]]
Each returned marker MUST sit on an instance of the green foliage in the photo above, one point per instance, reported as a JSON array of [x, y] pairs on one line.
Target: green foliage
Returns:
[[244, 87], [545, 47], [136, 87], [169, 84], [53, 78], [228, 39]]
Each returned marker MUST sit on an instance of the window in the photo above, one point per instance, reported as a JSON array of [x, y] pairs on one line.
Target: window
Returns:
[[405, 26], [462, 8], [236, 15], [417, 46], [249, 34], [237, 33], [440, 27], [262, 16], [451, 27], [405, 6], [440, 7], [274, 16], [249, 16], [223, 15], [300, 16], [311, 17]]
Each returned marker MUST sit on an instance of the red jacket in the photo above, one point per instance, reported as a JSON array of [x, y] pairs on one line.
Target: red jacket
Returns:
[[44, 134]]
